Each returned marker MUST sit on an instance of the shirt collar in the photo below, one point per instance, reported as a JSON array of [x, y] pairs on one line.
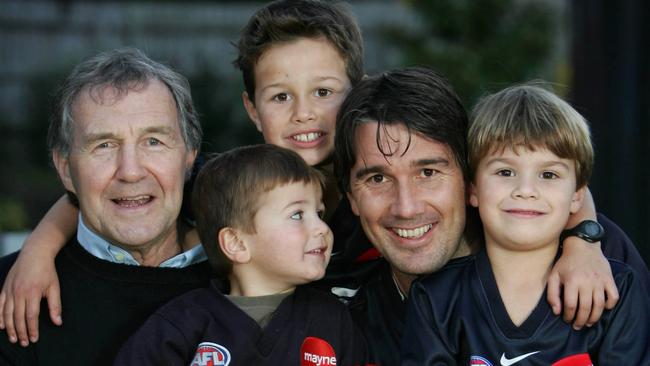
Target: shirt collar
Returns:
[[102, 249]]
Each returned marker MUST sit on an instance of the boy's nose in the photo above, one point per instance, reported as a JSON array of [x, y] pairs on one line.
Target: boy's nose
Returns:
[[525, 188], [321, 228], [303, 111]]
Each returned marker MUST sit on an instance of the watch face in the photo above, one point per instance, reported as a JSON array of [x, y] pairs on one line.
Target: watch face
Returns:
[[592, 229]]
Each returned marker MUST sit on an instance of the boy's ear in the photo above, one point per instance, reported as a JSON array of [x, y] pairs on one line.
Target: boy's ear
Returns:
[[62, 165], [578, 199], [232, 245], [473, 196], [251, 110]]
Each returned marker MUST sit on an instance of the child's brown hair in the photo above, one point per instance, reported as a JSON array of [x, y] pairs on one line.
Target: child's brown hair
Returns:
[[287, 20], [229, 186], [534, 117]]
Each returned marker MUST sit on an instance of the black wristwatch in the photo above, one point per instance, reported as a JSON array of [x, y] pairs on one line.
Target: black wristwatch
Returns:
[[588, 230]]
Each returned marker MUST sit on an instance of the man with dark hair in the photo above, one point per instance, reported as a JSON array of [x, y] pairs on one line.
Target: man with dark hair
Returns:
[[123, 138], [400, 157]]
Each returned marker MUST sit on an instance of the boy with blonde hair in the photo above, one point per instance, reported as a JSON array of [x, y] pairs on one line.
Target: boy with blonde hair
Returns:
[[259, 216], [530, 157]]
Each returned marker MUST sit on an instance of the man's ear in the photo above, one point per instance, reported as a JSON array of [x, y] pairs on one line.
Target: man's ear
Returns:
[[473, 196], [233, 246], [353, 204], [189, 161], [251, 110], [578, 199], [62, 165]]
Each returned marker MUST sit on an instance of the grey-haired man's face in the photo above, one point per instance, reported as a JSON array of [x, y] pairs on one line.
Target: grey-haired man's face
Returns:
[[127, 164]]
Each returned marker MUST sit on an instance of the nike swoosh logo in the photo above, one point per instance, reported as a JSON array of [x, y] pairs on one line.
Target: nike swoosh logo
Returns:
[[507, 362]]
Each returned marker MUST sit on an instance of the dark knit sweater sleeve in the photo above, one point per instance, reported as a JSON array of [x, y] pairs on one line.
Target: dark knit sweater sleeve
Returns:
[[12, 354]]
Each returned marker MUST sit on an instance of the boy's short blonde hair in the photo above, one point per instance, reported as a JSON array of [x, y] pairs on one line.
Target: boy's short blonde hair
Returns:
[[534, 117]]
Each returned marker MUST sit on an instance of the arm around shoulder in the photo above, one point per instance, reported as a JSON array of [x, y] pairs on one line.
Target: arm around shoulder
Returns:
[[33, 275]]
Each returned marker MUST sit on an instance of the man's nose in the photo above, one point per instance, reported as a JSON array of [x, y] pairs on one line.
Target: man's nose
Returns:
[[406, 202], [130, 167]]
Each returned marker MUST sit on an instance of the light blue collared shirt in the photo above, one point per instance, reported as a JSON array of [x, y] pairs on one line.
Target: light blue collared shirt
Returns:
[[102, 249]]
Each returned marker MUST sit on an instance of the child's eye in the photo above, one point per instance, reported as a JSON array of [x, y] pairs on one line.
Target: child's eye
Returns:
[[282, 97], [322, 92], [505, 173], [320, 213], [549, 175], [297, 215]]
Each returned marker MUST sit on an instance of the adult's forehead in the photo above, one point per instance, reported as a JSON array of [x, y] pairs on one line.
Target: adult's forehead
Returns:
[[152, 95], [392, 139], [110, 93]]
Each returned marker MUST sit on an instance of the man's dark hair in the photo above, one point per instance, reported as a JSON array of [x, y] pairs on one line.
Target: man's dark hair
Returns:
[[419, 98], [287, 20], [228, 189]]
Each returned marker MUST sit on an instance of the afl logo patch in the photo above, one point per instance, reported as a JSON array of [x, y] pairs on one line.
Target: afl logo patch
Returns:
[[316, 352], [211, 354], [479, 361]]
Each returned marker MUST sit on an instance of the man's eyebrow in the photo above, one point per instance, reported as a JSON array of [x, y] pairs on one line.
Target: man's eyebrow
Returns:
[[367, 170], [165, 130], [96, 136], [432, 161]]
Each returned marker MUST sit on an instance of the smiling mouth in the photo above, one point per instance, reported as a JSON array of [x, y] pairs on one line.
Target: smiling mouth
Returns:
[[131, 202], [307, 137], [531, 213], [317, 251], [412, 233]]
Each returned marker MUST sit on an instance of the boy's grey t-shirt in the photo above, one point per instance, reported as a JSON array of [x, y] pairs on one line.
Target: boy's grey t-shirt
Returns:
[[260, 308]]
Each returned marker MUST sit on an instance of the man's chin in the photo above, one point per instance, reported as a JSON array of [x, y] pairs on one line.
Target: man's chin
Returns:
[[419, 264]]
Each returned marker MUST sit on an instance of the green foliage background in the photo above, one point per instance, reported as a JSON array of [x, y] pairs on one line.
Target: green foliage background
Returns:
[[479, 45]]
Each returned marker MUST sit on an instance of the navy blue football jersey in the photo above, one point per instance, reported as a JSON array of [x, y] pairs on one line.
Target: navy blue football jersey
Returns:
[[203, 327], [456, 317]]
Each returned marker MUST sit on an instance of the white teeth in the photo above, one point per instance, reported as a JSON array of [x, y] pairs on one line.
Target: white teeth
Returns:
[[138, 198], [307, 137], [132, 201], [413, 233]]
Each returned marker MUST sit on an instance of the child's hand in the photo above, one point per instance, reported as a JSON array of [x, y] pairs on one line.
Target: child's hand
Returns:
[[32, 277], [586, 278]]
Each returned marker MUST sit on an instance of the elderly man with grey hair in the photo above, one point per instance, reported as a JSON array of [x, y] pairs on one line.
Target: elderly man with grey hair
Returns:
[[123, 139]]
